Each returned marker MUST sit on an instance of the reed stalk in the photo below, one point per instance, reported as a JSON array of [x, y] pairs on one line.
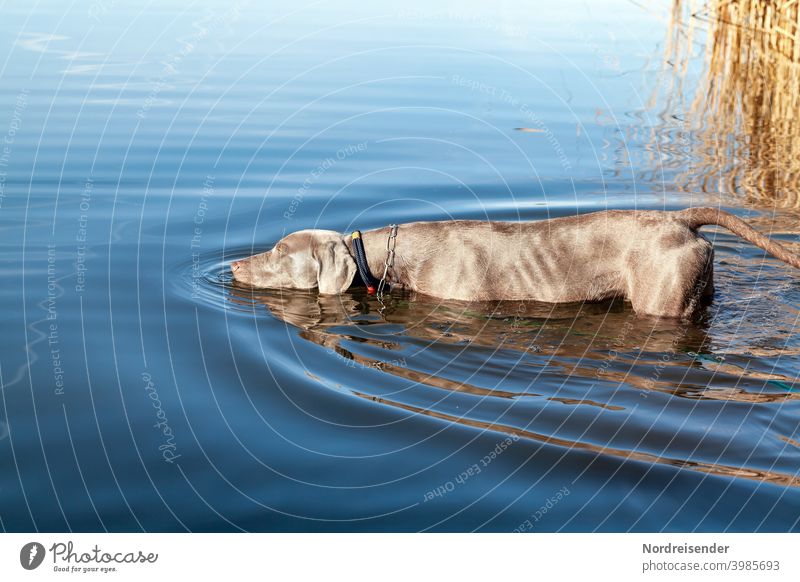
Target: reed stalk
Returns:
[[743, 121]]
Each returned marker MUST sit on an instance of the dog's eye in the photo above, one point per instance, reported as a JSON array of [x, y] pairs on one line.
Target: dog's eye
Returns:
[[280, 249]]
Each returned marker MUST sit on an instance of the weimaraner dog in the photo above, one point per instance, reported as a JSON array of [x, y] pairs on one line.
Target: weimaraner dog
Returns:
[[656, 260]]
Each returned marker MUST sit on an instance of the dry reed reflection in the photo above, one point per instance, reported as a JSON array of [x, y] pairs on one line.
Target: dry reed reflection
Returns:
[[735, 127]]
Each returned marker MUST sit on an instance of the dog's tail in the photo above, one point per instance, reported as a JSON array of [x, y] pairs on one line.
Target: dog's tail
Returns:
[[697, 217]]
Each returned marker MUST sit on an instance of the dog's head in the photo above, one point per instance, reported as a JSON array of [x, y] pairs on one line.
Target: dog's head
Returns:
[[302, 260]]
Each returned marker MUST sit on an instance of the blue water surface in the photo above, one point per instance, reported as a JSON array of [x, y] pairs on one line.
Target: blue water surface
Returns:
[[147, 145]]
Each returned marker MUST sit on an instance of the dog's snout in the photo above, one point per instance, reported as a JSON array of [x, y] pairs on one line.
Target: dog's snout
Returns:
[[235, 265]]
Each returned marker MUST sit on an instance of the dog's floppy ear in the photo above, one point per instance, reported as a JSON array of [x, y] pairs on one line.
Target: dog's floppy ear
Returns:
[[335, 266]]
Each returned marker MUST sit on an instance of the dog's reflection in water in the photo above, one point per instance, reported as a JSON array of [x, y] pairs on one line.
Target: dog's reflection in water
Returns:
[[601, 340], [606, 342], [545, 347]]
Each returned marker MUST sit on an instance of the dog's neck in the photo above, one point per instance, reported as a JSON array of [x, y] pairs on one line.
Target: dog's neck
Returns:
[[375, 251]]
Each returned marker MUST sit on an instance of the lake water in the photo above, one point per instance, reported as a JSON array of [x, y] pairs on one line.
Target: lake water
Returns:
[[147, 146]]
